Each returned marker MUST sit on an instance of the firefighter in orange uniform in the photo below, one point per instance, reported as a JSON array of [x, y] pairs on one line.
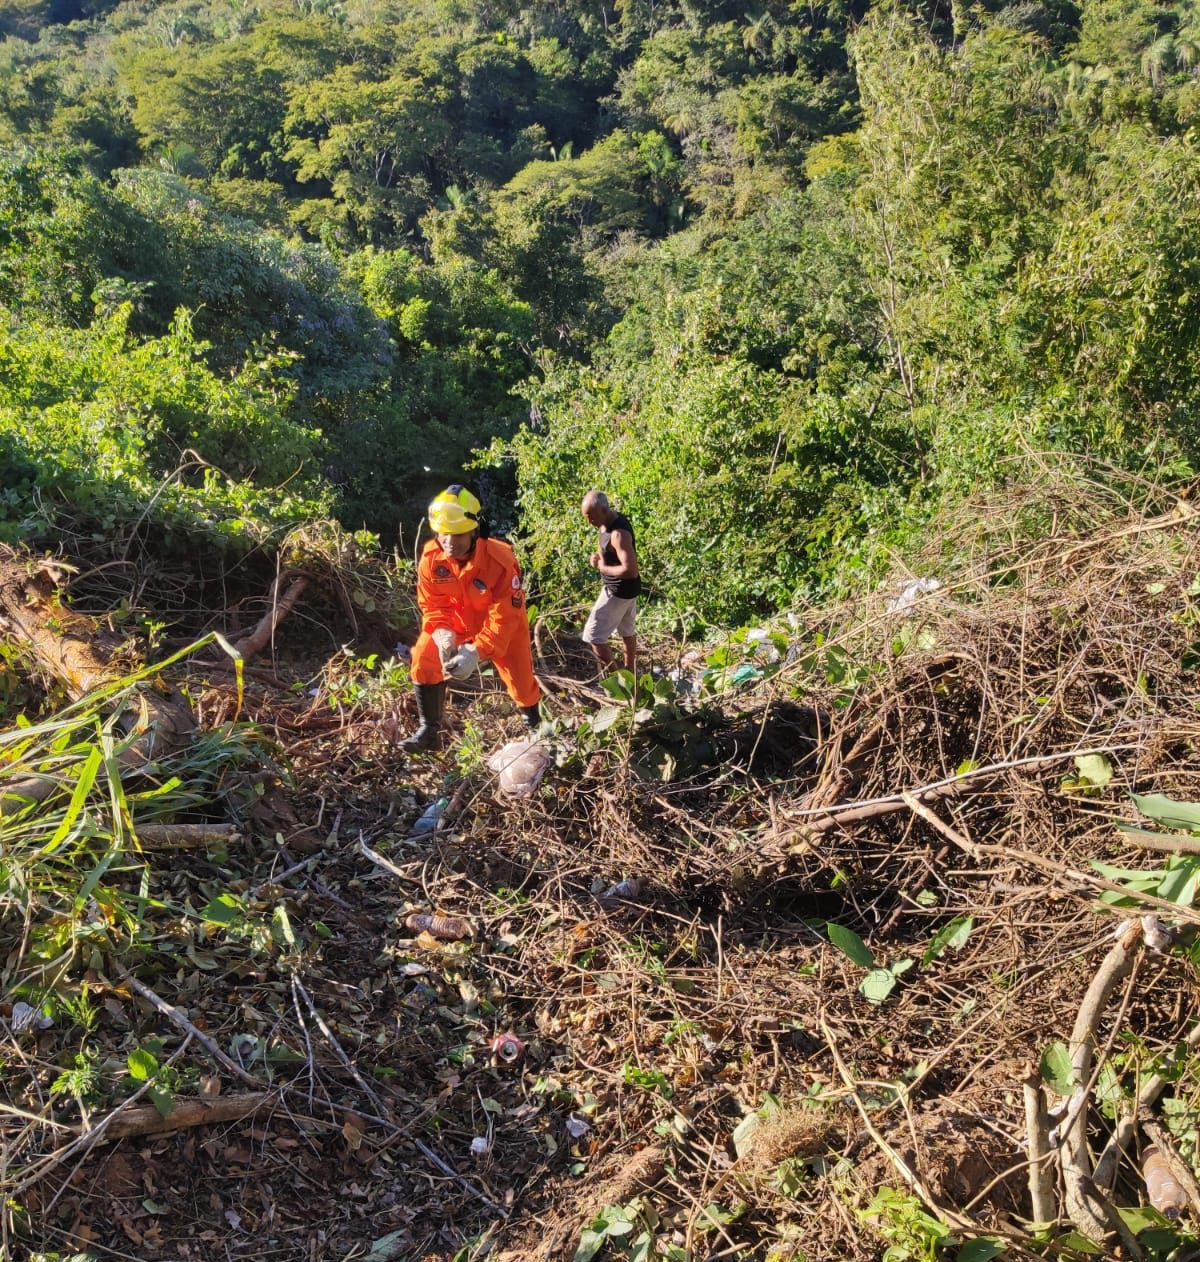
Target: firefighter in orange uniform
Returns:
[[472, 609]]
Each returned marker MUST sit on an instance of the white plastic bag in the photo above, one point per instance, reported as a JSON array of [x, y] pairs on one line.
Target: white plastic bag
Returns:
[[521, 765]]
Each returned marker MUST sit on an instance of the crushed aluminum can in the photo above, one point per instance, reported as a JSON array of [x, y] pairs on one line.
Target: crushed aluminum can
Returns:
[[507, 1047]]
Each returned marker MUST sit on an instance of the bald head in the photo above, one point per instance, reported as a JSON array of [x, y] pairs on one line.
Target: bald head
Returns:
[[595, 507]]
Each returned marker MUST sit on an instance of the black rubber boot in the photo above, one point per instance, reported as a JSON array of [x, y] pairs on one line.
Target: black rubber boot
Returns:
[[429, 698], [532, 715]]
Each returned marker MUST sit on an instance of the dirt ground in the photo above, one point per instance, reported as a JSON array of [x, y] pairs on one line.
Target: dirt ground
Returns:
[[701, 1053]]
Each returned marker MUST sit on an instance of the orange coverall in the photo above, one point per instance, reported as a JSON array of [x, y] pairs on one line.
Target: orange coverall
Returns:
[[482, 600]]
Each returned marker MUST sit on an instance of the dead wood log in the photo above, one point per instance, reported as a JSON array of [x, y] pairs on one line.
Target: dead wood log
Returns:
[[145, 1119], [185, 836], [75, 650], [19, 793]]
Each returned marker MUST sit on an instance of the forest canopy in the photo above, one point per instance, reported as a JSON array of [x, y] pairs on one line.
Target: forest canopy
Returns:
[[785, 281]]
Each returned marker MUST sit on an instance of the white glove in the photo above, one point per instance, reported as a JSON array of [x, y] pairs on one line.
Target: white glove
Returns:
[[464, 664], [447, 643]]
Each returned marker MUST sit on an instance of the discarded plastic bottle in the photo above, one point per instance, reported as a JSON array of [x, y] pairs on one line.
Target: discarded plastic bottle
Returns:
[[1163, 1189], [430, 818], [447, 928]]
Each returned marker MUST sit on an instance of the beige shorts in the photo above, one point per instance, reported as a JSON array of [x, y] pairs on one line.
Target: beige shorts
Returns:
[[610, 614]]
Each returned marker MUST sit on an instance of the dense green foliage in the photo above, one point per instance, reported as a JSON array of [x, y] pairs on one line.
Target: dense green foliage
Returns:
[[783, 280]]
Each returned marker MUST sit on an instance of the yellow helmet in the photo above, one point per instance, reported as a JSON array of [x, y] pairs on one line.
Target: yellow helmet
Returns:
[[455, 511]]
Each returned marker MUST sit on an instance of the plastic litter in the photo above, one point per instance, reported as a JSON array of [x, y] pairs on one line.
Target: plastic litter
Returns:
[[521, 766], [403, 653], [630, 887], [1156, 935], [507, 1047], [430, 818], [911, 592], [1163, 1189], [25, 1017], [445, 928], [480, 1146]]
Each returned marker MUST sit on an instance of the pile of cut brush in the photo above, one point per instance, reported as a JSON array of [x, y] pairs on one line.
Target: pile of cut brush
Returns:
[[889, 953]]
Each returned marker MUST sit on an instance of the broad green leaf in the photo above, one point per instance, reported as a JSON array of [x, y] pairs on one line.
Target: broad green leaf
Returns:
[[1080, 1243], [590, 1243], [1095, 769], [225, 909], [1139, 1218], [1179, 881], [142, 1064], [619, 685], [850, 944], [1168, 811], [878, 984], [605, 717], [981, 1249], [161, 1098], [951, 936], [1055, 1068]]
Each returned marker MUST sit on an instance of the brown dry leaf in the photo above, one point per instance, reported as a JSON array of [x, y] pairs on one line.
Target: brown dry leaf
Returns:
[[210, 1085], [352, 1132]]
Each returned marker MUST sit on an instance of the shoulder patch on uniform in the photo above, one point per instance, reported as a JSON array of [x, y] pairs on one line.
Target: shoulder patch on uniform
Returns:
[[479, 585], [516, 579]]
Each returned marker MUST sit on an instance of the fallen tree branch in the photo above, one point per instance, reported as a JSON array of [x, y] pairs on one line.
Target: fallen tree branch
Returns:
[[387, 865], [846, 812], [196, 1111], [20, 793], [1086, 1205], [264, 632], [1173, 843], [902, 1168], [1041, 1185], [84, 1143], [83, 657], [185, 836], [173, 1014], [1074, 876]]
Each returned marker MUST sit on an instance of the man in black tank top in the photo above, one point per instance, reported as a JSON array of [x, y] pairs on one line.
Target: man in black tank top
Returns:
[[615, 609]]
